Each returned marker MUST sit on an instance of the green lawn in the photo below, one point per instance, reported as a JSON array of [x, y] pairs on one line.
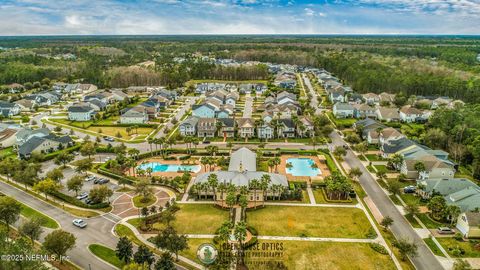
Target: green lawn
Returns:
[[7, 152], [382, 168], [137, 201], [194, 219], [320, 198], [413, 221], [310, 221], [122, 230], [452, 246], [428, 222], [324, 255], [46, 221], [106, 254], [374, 157], [113, 131], [433, 247]]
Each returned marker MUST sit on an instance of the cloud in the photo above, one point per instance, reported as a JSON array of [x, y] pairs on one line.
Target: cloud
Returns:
[[57, 17]]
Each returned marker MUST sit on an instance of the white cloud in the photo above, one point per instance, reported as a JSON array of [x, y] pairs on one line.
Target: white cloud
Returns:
[[309, 11]]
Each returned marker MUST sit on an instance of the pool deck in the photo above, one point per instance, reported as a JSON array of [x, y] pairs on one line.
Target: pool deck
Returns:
[[319, 160], [175, 162]]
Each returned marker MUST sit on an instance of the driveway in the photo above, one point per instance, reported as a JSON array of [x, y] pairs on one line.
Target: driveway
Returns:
[[400, 228], [247, 111]]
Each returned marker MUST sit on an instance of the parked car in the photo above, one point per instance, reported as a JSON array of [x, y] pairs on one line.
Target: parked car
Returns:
[[89, 201], [206, 142], [109, 139], [444, 230], [409, 189], [90, 178], [97, 180], [79, 223], [103, 181], [82, 196]]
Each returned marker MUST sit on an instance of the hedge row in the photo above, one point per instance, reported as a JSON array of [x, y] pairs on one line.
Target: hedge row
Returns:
[[55, 154], [125, 125]]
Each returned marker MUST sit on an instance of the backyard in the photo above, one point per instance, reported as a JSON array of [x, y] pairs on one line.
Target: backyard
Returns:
[[460, 248]]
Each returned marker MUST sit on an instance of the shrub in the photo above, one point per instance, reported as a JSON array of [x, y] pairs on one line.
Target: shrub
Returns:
[[379, 248], [71, 200]]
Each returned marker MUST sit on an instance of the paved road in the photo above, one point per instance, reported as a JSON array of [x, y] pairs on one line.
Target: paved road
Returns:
[[247, 111], [400, 228], [179, 114], [98, 229], [314, 101]]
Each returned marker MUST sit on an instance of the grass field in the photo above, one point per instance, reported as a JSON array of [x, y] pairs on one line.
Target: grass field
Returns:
[[450, 245], [194, 219], [138, 203], [122, 230], [310, 221], [106, 254], [46, 221], [433, 247], [428, 222], [112, 131], [324, 255], [7, 152]]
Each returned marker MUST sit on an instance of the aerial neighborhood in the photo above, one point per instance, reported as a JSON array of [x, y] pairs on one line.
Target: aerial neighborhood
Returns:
[[294, 145]]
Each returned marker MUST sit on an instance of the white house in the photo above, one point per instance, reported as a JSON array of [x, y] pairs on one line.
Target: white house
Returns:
[[343, 110], [80, 113], [410, 114], [135, 115], [189, 126], [468, 223]]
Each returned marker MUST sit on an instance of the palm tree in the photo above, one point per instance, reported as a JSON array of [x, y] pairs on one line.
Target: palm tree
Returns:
[[243, 202], [355, 173], [150, 142], [149, 171], [264, 183], [397, 160], [270, 164], [276, 161], [222, 187], [204, 162], [419, 167], [212, 181], [254, 184]]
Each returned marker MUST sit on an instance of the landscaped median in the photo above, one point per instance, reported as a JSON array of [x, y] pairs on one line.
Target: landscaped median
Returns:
[[106, 254]]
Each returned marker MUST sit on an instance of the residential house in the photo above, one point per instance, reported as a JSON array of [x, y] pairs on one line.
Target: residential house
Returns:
[[286, 128], [410, 114], [167, 94], [434, 167], [389, 134], [265, 130], [260, 88], [78, 88], [8, 109], [387, 114], [398, 146], [80, 113], [8, 137], [135, 115], [386, 98], [246, 127], [441, 101], [468, 223], [337, 94], [267, 116], [15, 88], [343, 110], [371, 98], [355, 98], [119, 95], [206, 127], [232, 98], [26, 134], [205, 110], [468, 199], [286, 97], [227, 127], [42, 145], [373, 136], [428, 188], [305, 127], [364, 111], [26, 105], [189, 126]]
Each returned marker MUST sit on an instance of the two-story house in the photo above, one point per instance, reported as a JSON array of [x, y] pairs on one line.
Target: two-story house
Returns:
[[80, 113], [189, 126]]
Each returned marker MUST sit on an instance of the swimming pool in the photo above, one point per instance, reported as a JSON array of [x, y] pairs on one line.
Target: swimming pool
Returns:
[[302, 167], [159, 167]]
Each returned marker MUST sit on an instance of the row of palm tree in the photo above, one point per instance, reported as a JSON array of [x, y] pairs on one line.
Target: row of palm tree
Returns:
[[164, 144]]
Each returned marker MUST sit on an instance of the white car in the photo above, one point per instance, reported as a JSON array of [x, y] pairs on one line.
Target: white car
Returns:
[[79, 223], [82, 196]]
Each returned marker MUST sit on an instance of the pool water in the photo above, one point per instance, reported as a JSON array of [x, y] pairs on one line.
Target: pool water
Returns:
[[302, 167], [159, 167]]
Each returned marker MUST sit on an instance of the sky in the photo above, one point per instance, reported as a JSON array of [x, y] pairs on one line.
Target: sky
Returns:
[[174, 17]]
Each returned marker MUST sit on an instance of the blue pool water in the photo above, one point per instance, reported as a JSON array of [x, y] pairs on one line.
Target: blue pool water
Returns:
[[302, 167], [159, 167]]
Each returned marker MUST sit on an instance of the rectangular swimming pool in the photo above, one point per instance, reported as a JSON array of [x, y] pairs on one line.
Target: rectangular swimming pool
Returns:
[[159, 167], [302, 167]]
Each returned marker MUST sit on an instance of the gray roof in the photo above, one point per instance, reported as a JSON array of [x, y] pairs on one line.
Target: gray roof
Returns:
[[467, 199], [473, 218], [244, 158], [191, 120], [24, 133], [79, 109], [343, 106], [395, 146], [445, 186], [27, 148]]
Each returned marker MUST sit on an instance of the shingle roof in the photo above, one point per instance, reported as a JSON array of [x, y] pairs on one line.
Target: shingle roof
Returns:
[[79, 109], [473, 218], [445, 186]]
